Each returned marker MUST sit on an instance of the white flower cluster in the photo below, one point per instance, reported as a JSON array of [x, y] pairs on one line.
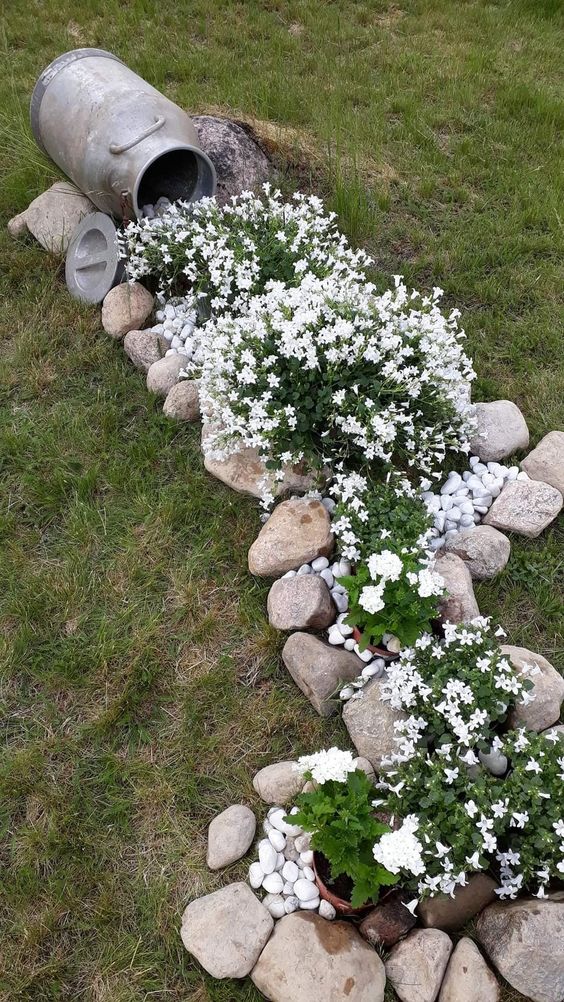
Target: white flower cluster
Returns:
[[332, 764], [401, 850]]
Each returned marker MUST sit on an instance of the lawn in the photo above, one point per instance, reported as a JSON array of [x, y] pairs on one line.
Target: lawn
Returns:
[[141, 686]]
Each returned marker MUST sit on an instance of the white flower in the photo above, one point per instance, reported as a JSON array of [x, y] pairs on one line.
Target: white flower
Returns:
[[386, 565], [371, 598], [400, 850], [326, 765]]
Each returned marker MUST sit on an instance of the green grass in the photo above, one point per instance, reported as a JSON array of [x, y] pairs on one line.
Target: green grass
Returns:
[[140, 684]]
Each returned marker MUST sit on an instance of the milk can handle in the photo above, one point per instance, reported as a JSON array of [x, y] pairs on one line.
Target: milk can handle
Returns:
[[157, 124]]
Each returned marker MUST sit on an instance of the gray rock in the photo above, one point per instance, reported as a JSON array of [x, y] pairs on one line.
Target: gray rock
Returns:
[[451, 914], [459, 604], [17, 226], [300, 603], [501, 430], [548, 689], [144, 348], [230, 836], [245, 472], [311, 960], [126, 308], [370, 722], [297, 531], [484, 550], [319, 669], [53, 216], [240, 163], [278, 783], [417, 964], [468, 977], [525, 507], [546, 461], [164, 374], [183, 400], [524, 940], [226, 931]]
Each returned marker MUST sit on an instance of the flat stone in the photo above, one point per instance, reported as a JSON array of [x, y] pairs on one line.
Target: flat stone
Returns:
[[53, 216], [182, 401], [468, 978], [240, 162], [300, 603], [525, 507], [17, 226], [319, 669], [311, 960], [370, 722], [126, 308], [548, 689], [230, 836], [524, 940], [459, 604], [389, 921], [451, 914], [144, 348], [417, 964], [484, 550], [245, 472], [297, 532], [165, 374], [226, 931], [501, 430], [546, 461], [278, 783]]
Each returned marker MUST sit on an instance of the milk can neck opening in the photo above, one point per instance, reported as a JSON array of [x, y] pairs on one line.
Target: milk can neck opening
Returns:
[[182, 173]]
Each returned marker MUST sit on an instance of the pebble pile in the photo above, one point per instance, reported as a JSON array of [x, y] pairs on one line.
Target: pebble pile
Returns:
[[464, 499], [284, 869]]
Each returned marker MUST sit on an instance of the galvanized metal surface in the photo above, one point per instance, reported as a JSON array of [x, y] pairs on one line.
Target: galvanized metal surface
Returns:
[[120, 140], [93, 265]]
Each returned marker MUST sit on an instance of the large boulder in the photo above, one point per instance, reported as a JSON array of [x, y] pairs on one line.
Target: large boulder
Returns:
[[525, 507], [297, 532], [239, 161], [319, 670], [546, 461], [311, 960], [371, 721], [182, 401], [246, 472], [144, 348], [53, 216], [548, 689], [468, 977], [417, 964], [524, 940], [484, 550], [164, 374], [459, 604], [230, 836], [451, 913], [501, 430], [126, 308], [300, 603], [278, 783], [226, 931]]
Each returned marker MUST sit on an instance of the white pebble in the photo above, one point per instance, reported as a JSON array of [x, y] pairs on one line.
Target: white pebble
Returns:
[[467, 520], [319, 564], [305, 569], [344, 629], [335, 636], [454, 514], [344, 567], [256, 876], [346, 692], [303, 843], [452, 484], [280, 860], [512, 473], [266, 826], [451, 533], [289, 574], [273, 883], [288, 888], [267, 857], [277, 819], [277, 839], [305, 890], [306, 857], [327, 911], [308, 873], [370, 671], [310, 905], [290, 871], [363, 655], [446, 502], [329, 505], [341, 601], [275, 905], [349, 644], [327, 577], [291, 904]]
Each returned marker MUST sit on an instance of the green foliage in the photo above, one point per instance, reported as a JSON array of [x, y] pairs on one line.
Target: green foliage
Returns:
[[343, 826]]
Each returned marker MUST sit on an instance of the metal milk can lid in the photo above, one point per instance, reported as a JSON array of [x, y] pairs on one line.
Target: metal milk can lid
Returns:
[[93, 265]]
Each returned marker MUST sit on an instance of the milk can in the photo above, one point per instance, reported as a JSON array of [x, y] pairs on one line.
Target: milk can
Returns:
[[122, 142]]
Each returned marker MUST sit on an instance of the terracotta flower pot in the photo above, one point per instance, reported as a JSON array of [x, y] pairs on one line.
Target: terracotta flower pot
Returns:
[[341, 905], [381, 652]]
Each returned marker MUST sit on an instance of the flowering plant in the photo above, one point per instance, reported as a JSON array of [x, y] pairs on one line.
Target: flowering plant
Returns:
[[457, 691], [233, 252], [332, 374], [343, 825], [385, 528], [513, 827]]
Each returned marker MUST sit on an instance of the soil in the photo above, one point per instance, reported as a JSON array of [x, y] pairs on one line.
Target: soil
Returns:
[[342, 886]]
